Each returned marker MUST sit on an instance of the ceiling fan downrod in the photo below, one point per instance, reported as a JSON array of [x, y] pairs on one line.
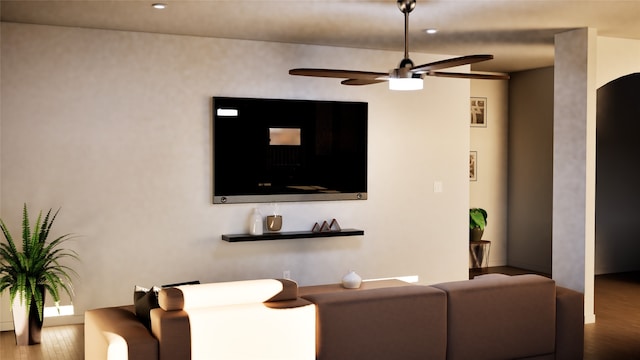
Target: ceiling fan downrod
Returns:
[[406, 6]]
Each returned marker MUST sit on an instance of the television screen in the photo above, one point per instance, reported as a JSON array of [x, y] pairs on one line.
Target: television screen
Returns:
[[268, 150]]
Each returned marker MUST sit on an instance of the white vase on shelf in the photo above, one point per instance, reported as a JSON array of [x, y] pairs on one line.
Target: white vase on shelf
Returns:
[[255, 223], [351, 280]]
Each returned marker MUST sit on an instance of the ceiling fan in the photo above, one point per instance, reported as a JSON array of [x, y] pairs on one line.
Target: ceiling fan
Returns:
[[406, 76]]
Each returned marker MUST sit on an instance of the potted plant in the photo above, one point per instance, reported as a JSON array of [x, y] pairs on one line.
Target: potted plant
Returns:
[[31, 271], [477, 223]]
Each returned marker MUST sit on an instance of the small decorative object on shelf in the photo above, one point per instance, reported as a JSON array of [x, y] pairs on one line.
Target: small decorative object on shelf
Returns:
[[326, 227], [334, 226], [351, 280], [274, 221], [255, 223]]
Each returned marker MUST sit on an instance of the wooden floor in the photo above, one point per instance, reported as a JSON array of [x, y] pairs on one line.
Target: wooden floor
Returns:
[[614, 336], [58, 342], [616, 333]]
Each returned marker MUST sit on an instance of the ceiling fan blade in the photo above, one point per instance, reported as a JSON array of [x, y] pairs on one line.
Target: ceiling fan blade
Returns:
[[479, 76], [341, 74], [448, 63], [361, 81]]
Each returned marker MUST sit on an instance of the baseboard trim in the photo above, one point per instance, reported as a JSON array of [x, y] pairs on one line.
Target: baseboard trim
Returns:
[[63, 320], [49, 321]]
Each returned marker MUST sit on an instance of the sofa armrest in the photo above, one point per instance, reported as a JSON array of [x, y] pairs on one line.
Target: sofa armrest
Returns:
[[173, 331], [569, 324], [115, 333]]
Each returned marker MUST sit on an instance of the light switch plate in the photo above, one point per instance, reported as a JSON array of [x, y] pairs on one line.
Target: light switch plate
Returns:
[[437, 186]]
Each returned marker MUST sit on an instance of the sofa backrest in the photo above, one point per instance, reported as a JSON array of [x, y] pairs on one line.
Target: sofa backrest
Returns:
[[227, 293], [405, 322], [500, 317]]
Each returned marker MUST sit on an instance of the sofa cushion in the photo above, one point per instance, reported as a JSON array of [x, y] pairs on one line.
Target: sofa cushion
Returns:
[[502, 317], [227, 293], [252, 331], [235, 320], [144, 300]]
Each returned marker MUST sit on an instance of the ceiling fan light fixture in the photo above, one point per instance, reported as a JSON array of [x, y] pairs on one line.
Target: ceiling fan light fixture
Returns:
[[403, 79], [406, 84]]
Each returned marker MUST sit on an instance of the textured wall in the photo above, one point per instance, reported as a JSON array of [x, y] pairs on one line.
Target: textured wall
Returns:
[[574, 142], [115, 128]]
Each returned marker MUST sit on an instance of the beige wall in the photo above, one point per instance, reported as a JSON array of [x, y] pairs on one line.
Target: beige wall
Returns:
[[115, 128], [490, 190], [616, 58]]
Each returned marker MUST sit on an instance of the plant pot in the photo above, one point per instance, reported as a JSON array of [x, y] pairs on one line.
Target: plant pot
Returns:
[[27, 324], [475, 234]]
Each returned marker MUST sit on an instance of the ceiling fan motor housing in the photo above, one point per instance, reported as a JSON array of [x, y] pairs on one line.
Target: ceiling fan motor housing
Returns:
[[404, 70]]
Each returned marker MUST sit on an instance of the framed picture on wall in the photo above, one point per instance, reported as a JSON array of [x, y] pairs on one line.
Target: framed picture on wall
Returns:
[[478, 112], [473, 166]]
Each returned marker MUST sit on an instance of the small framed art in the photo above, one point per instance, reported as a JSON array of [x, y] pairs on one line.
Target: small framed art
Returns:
[[473, 166], [478, 112]]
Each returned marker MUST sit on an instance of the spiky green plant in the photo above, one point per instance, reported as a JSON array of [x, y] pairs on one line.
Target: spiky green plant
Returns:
[[38, 265]]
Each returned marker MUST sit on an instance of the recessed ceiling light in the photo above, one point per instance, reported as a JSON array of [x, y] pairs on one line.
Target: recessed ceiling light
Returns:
[[159, 6], [431, 31]]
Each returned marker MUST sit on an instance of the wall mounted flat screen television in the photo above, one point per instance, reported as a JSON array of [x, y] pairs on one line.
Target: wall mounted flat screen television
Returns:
[[270, 150]]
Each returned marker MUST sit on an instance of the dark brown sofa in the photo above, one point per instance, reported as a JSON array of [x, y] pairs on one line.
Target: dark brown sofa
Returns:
[[490, 317]]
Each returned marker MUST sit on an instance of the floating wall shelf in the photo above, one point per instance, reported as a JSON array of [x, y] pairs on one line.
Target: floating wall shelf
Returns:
[[291, 235]]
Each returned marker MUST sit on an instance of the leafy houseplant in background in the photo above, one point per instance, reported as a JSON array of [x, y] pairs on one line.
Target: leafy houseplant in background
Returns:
[[477, 223], [31, 271]]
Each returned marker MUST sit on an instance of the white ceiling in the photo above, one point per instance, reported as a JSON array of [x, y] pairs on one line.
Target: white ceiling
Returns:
[[519, 33]]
